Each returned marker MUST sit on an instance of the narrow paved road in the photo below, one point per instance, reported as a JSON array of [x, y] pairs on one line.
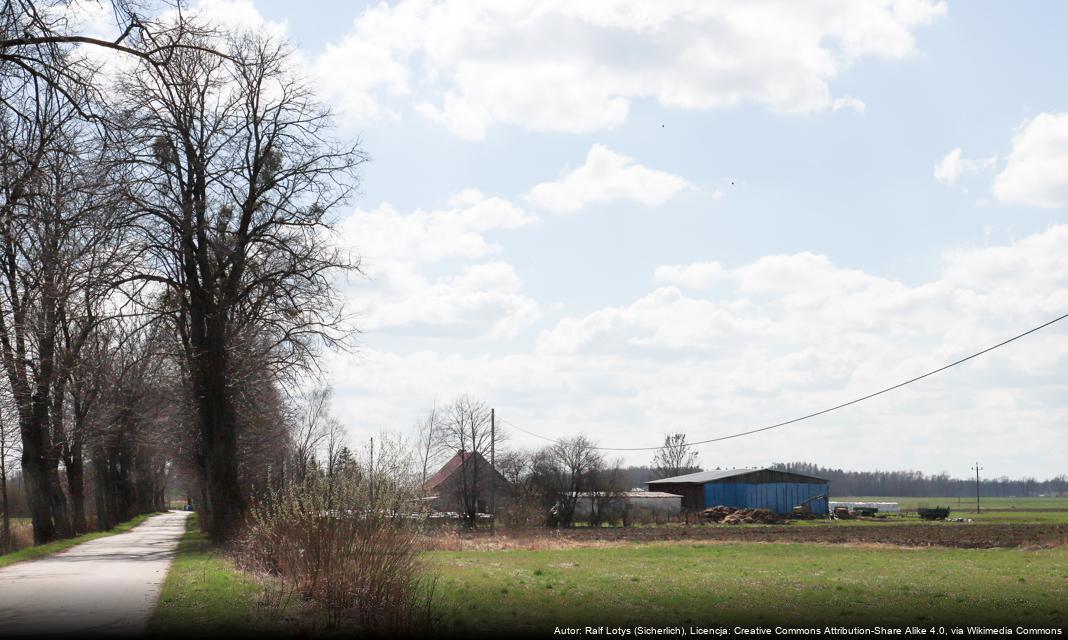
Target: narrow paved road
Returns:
[[107, 586]]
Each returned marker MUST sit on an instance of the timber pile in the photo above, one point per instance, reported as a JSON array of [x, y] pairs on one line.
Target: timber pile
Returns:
[[730, 515]]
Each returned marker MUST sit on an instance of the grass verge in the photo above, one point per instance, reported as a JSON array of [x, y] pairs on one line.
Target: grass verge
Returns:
[[206, 594], [39, 551], [532, 592]]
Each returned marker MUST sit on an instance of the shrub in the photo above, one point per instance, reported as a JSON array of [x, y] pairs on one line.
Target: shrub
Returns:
[[351, 551]]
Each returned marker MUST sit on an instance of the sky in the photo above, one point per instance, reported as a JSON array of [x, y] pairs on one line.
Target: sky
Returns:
[[624, 218]]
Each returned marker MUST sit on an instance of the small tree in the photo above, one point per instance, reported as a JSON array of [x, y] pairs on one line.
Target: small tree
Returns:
[[675, 458], [608, 493], [565, 470]]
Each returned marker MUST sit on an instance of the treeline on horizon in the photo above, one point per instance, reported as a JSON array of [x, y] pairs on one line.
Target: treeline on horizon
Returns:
[[906, 484]]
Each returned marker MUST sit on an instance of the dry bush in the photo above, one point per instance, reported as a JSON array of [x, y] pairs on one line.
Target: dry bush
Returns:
[[352, 552], [21, 535]]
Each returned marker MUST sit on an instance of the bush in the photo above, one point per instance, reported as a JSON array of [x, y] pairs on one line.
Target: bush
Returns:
[[352, 553]]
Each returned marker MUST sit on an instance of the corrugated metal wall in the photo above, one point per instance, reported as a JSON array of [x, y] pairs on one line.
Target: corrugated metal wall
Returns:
[[780, 497]]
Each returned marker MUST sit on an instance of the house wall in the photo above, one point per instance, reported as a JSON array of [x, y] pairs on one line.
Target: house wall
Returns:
[[450, 492], [780, 497]]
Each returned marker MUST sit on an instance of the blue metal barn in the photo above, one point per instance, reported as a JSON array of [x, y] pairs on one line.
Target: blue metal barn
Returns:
[[779, 491]]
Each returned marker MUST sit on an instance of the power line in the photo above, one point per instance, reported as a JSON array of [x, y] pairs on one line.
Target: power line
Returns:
[[824, 411]]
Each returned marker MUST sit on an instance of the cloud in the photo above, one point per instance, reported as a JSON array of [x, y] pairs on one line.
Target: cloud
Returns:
[[430, 272], [383, 236], [699, 275], [953, 167], [948, 170], [577, 67], [606, 176], [483, 300], [780, 336], [848, 102], [1035, 174]]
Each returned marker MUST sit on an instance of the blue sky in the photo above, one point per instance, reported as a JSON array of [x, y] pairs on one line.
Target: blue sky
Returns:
[[626, 218]]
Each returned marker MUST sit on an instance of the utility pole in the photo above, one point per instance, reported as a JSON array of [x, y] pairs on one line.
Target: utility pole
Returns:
[[371, 473], [977, 469], [493, 471]]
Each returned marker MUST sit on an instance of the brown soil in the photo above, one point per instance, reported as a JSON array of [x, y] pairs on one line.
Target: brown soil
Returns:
[[967, 536]]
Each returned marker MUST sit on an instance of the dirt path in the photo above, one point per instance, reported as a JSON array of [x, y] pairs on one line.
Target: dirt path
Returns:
[[968, 536], [107, 586]]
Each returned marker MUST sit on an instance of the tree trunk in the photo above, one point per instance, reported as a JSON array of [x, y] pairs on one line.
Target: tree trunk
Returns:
[[5, 526], [38, 491], [76, 480], [218, 426]]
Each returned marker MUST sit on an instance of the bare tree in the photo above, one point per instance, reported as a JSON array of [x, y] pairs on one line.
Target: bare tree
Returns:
[[608, 488], [675, 458], [234, 178], [564, 471], [309, 429], [336, 439], [427, 441], [37, 37], [139, 421], [61, 245]]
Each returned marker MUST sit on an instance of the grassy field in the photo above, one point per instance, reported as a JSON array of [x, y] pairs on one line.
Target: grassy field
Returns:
[[993, 510], [967, 503], [207, 595], [39, 551], [727, 584]]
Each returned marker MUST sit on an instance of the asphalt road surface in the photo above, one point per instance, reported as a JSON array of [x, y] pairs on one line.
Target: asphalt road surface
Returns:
[[107, 586]]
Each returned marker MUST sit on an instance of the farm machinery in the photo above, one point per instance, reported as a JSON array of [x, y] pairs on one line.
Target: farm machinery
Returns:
[[932, 513], [804, 510]]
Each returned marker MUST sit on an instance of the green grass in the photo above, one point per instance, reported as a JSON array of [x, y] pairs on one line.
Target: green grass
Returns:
[[39, 551], [967, 503], [750, 584], [207, 594], [1002, 510]]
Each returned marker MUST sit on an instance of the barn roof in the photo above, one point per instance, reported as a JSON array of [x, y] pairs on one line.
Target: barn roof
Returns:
[[454, 464], [722, 474]]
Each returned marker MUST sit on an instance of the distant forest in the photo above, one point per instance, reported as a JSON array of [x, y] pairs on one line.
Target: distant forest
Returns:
[[901, 483]]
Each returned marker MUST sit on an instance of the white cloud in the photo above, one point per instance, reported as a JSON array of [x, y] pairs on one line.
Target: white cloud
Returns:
[[483, 300], [576, 66], [1035, 173], [241, 15], [409, 286], [781, 336], [699, 275], [848, 102], [948, 170], [951, 168], [604, 177], [383, 236]]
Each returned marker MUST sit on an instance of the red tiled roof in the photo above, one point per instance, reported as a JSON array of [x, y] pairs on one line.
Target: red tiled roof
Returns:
[[450, 467]]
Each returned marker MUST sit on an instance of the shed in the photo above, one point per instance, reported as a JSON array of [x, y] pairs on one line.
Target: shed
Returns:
[[779, 491], [654, 502]]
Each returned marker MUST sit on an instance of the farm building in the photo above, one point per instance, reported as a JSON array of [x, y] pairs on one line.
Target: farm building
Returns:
[[880, 507], [466, 474], [635, 503], [779, 491]]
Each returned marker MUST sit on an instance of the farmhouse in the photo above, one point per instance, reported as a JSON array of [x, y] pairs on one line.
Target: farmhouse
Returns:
[[779, 491], [465, 473]]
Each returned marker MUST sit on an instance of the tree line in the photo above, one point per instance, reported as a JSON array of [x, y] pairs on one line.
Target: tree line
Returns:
[[166, 262], [919, 484]]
